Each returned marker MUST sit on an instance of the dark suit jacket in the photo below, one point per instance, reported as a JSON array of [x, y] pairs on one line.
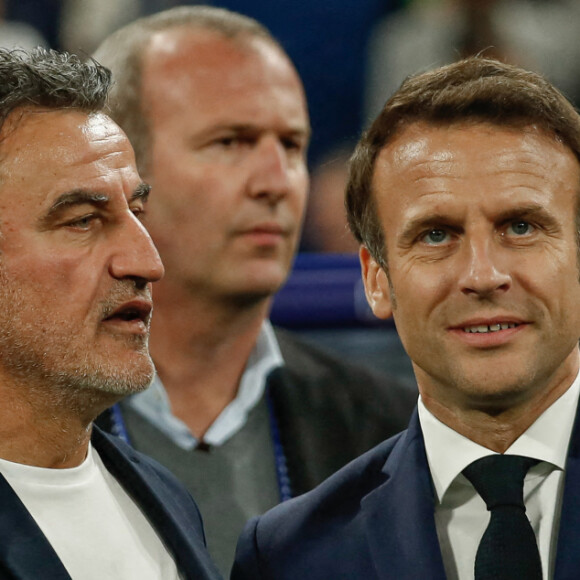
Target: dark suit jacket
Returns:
[[374, 520], [26, 554], [330, 411]]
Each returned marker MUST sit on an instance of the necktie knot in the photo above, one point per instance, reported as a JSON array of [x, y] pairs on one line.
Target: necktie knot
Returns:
[[499, 479]]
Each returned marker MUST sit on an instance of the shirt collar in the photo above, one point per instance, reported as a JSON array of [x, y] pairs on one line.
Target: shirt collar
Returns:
[[546, 439], [154, 405]]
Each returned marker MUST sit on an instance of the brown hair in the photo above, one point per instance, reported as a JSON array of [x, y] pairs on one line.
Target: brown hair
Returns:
[[123, 50], [474, 89]]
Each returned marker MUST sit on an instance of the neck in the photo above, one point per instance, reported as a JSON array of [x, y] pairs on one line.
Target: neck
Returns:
[[42, 430], [496, 427], [200, 348]]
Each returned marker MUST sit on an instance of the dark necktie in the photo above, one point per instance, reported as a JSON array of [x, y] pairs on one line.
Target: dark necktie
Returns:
[[508, 549]]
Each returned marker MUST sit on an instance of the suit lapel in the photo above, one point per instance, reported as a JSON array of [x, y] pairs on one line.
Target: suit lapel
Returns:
[[182, 536], [25, 553], [399, 515], [568, 551]]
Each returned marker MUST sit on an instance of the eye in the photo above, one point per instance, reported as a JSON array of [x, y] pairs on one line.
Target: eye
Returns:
[[234, 141], [227, 141], [520, 228], [435, 237], [138, 212], [291, 144], [82, 223]]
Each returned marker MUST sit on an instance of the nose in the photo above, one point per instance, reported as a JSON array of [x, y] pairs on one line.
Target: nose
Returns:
[[134, 255], [270, 173], [484, 271]]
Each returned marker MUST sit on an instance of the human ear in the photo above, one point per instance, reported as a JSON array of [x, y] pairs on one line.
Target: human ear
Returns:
[[376, 283]]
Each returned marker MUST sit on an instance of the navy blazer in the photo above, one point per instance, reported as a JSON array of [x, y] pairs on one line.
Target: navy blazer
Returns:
[[374, 519], [25, 553]]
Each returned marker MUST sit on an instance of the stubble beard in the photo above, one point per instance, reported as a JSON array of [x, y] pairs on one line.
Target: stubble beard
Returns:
[[70, 375], [45, 357]]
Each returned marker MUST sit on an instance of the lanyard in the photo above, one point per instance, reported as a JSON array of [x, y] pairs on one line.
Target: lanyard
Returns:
[[119, 428], [282, 476]]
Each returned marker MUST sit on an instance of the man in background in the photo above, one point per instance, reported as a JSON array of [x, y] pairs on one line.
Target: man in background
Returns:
[[246, 416], [76, 267]]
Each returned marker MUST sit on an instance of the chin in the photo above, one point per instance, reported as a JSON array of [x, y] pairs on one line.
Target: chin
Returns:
[[129, 374], [258, 289], [499, 399]]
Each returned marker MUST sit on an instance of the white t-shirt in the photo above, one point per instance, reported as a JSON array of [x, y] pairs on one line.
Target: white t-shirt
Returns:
[[92, 524]]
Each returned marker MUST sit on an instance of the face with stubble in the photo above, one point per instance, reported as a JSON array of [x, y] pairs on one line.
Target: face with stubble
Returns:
[[76, 264]]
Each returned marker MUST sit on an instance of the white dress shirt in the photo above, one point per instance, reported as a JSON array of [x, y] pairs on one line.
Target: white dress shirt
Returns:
[[461, 515]]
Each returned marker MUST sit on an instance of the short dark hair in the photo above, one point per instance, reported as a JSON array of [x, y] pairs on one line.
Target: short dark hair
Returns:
[[123, 51], [473, 89], [50, 79]]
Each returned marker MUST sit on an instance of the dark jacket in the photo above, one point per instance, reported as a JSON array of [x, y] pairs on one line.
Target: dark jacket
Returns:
[[374, 519], [26, 554], [330, 411]]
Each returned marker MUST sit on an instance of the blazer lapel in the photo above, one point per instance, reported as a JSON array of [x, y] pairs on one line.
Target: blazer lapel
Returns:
[[25, 553], [182, 536], [400, 514], [568, 551]]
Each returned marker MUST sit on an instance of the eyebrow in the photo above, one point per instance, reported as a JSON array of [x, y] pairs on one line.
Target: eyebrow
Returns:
[[249, 129], [83, 196], [141, 192], [526, 211]]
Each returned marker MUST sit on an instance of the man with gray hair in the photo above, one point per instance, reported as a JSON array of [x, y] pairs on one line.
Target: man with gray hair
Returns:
[[245, 415], [76, 267]]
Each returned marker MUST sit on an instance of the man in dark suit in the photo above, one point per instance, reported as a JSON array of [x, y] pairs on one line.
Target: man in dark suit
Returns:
[[464, 196], [76, 267], [243, 414]]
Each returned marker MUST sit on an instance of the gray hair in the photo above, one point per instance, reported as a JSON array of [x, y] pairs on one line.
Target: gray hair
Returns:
[[50, 79]]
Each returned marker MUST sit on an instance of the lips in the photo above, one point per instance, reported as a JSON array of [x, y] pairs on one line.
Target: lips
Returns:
[[489, 331], [134, 310], [485, 328], [265, 228]]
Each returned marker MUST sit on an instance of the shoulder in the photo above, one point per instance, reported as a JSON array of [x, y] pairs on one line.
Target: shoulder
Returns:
[[345, 487], [325, 523], [321, 378], [305, 357]]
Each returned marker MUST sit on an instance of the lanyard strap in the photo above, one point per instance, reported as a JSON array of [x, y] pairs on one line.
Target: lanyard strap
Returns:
[[282, 476], [118, 426]]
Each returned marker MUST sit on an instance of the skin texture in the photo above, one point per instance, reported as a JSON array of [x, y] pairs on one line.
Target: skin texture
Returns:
[[480, 230], [229, 135], [72, 252], [229, 132]]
